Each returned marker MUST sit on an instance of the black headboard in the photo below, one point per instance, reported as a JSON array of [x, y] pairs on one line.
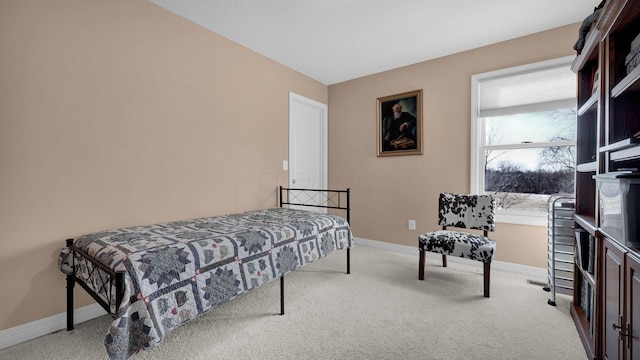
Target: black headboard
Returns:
[[329, 199]]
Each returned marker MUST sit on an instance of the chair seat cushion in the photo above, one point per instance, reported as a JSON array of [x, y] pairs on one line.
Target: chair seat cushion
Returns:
[[460, 244]]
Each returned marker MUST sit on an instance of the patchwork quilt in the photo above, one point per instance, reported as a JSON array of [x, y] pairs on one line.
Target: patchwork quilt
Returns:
[[178, 270]]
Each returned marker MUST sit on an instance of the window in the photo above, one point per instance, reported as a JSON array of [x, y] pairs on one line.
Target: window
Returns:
[[523, 137]]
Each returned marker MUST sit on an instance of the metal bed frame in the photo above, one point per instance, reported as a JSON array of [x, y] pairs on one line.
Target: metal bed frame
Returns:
[[329, 199]]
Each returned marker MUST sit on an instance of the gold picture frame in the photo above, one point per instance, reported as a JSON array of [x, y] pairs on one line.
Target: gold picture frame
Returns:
[[399, 122]]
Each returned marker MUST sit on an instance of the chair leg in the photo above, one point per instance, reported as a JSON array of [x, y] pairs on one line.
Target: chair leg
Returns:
[[444, 260], [421, 265], [487, 272]]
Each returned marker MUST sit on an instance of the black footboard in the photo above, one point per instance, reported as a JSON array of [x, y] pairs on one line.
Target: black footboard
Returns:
[[110, 281], [328, 199]]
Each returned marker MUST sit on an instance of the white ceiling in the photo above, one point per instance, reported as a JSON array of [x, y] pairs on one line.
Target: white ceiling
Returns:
[[338, 40]]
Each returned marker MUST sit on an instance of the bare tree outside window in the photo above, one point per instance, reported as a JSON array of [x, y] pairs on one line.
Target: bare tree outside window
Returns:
[[529, 157]]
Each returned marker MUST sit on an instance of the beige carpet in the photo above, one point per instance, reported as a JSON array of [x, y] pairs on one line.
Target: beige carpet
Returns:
[[380, 311]]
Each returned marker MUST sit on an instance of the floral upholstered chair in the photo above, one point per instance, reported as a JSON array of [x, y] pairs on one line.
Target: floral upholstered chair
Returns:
[[464, 212]]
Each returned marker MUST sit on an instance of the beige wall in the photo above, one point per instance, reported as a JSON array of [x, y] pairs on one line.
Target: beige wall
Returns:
[[116, 113], [388, 191]]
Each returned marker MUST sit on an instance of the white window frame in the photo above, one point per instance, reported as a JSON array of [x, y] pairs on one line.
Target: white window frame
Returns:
[[478, 138]]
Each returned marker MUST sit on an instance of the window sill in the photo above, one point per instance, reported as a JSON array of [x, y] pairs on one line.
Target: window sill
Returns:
[[522, 218]]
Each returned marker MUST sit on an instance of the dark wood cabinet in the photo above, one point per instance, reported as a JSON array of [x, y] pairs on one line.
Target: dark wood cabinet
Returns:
[[632, 307], [606, 299], [621, 284], [613, 284]]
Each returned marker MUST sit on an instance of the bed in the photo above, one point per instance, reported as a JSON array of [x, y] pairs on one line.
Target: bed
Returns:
[[154, 278]]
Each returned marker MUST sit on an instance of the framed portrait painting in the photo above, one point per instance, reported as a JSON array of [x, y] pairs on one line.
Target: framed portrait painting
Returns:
[[399, 122]]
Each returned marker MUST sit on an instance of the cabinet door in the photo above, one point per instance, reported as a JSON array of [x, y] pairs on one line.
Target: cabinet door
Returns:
[[633, 307], [613, 278]]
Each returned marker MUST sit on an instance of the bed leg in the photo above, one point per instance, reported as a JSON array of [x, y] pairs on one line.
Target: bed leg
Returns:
[[348, 260], [119, 289], [282, 295], [70, 284]]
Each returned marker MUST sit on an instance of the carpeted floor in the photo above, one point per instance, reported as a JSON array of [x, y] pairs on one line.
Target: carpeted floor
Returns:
[[380, 311]]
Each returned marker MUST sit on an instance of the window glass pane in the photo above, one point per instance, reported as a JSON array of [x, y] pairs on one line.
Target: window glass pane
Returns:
[[523, 179], [534, 127]]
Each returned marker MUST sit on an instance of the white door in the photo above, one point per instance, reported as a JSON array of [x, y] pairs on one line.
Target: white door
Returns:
[[307, 144]]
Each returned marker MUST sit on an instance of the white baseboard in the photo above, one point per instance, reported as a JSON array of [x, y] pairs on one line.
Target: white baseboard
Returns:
[[535, 273], [34, 329]]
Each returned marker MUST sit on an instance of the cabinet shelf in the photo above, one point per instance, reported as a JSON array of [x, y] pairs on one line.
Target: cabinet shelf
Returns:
[[623, 150], [590, 50], [587, 167], [586, 222], [629, 83], [589, 277], [630, 153], [589, 105], [620, 145]]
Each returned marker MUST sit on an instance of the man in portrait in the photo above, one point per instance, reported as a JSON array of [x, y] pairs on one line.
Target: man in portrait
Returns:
[[401, 132]]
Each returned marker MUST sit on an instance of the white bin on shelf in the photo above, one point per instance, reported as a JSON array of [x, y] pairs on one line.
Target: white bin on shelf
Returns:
[[619, 195]]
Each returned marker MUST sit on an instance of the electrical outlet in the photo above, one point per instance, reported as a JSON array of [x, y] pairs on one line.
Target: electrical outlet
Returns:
[[412, 224], [285, 165]]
